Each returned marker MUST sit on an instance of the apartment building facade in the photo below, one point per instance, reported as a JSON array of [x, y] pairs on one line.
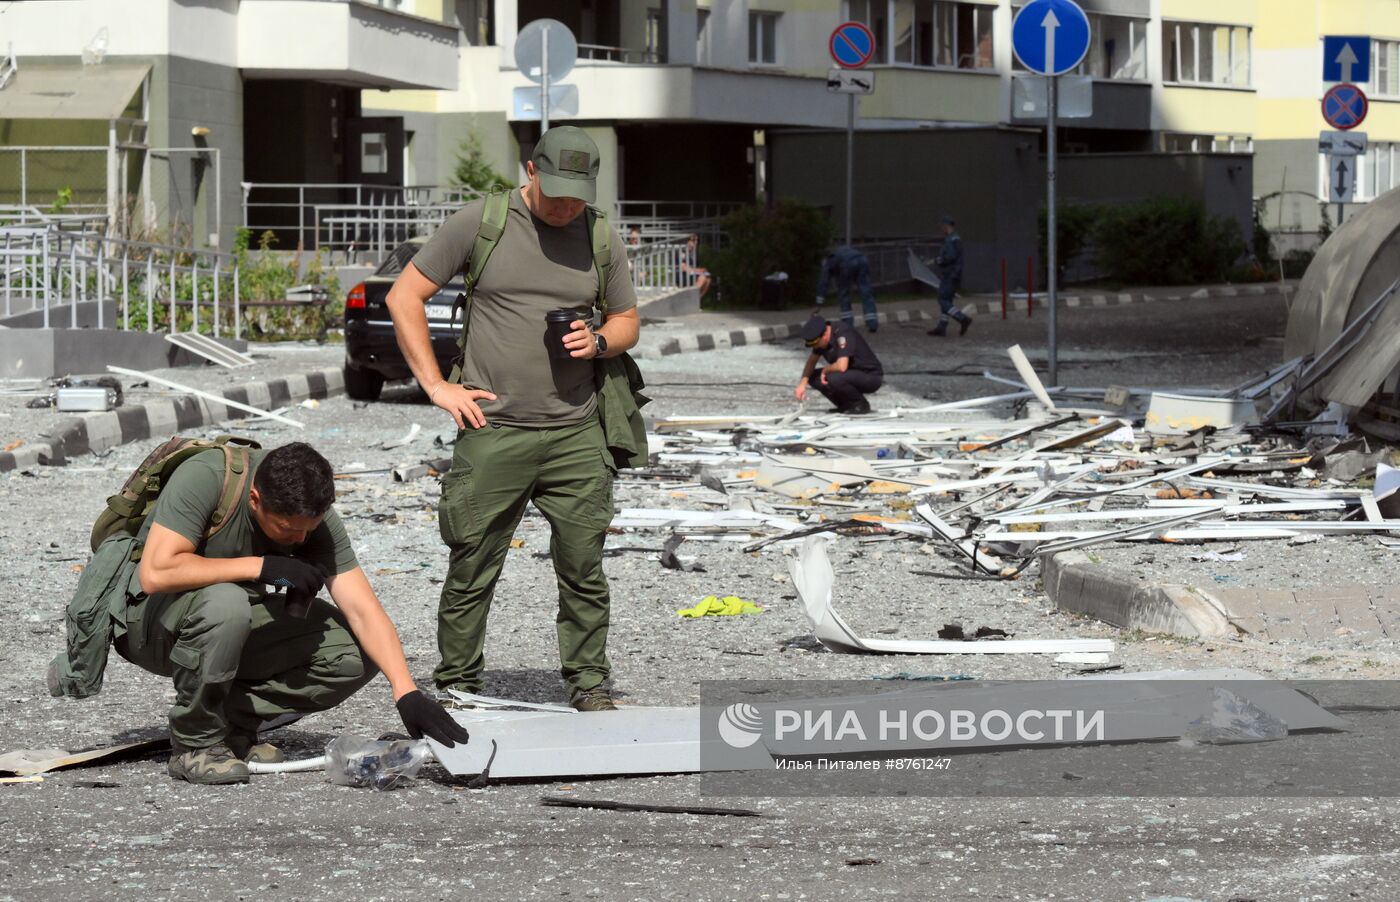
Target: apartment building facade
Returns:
[[179, 103], [692, 101]]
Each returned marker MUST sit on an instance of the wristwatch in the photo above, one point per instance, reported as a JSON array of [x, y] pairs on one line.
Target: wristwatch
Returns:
[[599, 342]]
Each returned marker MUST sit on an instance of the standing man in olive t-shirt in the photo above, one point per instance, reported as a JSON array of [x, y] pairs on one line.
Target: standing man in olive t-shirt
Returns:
[[529, 421], [242, 659]]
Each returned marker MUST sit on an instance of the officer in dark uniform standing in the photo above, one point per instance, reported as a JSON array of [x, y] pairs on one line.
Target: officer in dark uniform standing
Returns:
[[848, 268], [852, 372], [950, 271]]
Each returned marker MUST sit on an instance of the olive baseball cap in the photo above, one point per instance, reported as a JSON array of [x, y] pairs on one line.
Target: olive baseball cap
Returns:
[[567, 162]]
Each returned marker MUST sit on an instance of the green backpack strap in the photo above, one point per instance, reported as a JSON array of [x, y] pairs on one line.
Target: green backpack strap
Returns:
[[493, 226], [600, 233], [238, 455]]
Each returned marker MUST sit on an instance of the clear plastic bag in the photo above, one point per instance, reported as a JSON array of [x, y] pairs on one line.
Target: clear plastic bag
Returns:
[[357, 761], [1234, 719]]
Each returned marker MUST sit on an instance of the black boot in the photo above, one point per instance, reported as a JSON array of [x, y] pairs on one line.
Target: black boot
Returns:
[[858, 407], [940, 329], [963, 324]]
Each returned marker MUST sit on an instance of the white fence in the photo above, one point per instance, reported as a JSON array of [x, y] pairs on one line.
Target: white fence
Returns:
[[361, 217], [46, 270]]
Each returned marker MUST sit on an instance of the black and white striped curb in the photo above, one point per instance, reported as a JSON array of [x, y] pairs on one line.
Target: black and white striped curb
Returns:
[[709, 341], [166, 417]]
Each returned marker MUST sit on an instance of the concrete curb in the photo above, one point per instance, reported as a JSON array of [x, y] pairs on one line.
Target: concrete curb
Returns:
[[709, 341], [167, 416], [1074, 582]]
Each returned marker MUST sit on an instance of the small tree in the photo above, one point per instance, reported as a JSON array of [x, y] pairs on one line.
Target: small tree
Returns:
[[792, 237], [474, 171]]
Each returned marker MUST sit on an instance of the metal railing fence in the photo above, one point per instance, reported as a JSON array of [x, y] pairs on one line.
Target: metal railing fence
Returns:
[[291, 207], [153, 284], [375, 230]]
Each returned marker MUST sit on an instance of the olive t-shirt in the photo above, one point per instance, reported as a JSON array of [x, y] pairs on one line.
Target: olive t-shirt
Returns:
[[187, 504], [535, 268]]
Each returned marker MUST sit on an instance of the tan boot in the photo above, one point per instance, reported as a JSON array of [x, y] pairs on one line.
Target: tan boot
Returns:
[[249, 749], [212, 766], [595, 699]]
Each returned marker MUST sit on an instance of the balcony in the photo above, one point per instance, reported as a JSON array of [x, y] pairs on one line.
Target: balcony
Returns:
[[346, 42]]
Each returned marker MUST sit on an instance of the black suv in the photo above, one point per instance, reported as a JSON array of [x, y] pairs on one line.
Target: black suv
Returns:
[[371, 352]]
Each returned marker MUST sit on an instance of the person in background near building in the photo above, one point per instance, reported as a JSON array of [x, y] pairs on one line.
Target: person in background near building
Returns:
[[691, 270], [634, 244], [852, 372], [846, 265], [950, 270], [527, 410]]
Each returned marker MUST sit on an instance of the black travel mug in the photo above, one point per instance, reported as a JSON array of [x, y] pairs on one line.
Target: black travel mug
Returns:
[[558, 324]]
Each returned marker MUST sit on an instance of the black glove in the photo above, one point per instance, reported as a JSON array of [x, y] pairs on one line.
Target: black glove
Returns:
[[296, 576], [423, 716]]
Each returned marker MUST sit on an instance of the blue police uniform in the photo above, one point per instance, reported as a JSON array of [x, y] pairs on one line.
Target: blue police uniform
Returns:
[[846, 265]]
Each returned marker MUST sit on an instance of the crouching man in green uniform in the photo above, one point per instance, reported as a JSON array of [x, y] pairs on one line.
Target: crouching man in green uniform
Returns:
[[525, 402], [244, 660]]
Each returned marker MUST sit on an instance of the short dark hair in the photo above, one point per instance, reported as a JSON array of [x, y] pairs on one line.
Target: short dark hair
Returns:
[[295, 481]]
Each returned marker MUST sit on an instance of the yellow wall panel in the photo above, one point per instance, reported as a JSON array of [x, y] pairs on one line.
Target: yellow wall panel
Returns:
[[1380, 18], [1288, 23], [1382, 122], [1206, 111], [1234, 12], [1280, 120], [1289, 119], [410, 101]]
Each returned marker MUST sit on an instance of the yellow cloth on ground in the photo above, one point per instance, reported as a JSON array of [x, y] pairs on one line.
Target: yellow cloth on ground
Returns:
[[714, 606]]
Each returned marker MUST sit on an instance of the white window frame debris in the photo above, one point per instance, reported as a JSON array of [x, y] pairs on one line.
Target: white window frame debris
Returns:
[[813, 578]]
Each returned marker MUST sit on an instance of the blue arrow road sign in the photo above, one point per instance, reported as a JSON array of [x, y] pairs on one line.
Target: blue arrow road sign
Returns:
[[1346, 58], [851, 45], [1344, 106], [1050, 36]]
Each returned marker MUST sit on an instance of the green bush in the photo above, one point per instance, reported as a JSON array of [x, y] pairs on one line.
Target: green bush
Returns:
[[1074, 229], [1166, 241], [792, 238], [262, 276]]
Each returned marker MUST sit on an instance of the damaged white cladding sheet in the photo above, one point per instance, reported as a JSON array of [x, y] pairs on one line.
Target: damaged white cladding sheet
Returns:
[[1351, 270]]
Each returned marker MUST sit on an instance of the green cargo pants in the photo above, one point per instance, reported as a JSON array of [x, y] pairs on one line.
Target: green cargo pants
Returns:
[[239, 662], [496, 470]]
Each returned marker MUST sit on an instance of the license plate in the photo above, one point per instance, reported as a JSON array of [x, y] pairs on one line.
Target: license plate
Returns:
[[439, 311]]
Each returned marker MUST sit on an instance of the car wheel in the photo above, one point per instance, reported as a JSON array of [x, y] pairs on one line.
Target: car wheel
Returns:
[[363, 385]]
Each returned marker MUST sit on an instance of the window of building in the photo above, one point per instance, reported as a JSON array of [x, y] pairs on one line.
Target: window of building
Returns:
[[874, 14], [1185, 142], [1385, 68], [763, 38], [1380, 164], [702, 37], [654, 35], [474, 18], [928, 33], [1202, 53]]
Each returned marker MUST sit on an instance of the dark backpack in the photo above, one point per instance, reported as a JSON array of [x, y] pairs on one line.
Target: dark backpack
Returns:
[[127, 510]]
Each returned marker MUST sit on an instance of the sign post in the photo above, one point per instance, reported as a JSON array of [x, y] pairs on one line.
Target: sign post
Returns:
[[1345, 59], [1344, 107], [545, 52], [851, 46], [1050, 37]]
